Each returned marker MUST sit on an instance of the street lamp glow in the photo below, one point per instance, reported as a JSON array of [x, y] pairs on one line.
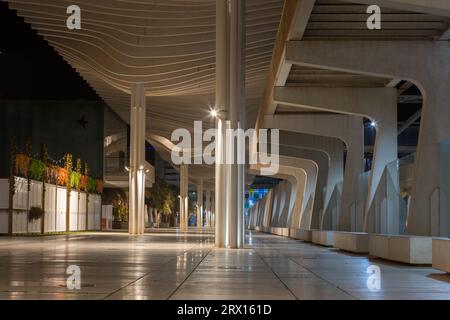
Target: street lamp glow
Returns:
[[214, 113], [373, 124]]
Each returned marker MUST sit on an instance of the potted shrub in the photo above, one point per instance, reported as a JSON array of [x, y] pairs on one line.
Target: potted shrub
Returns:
[[75, 180], [92, 185], [22, 165], [63, 176], [36, 169], [120, 213]]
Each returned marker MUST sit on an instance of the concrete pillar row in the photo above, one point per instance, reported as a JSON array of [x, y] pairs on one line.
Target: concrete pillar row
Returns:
[[208, 208], [184, 196], [377, 104], [348, 129], [200, 204], [137, 161], [426, 64], [333, 148], [302, 175]]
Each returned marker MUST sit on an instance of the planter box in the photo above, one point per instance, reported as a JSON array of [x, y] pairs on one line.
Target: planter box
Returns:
[[301, 234], [120, 225], [441, 254], [379, 246], [55, 208], [324, 238], [356, 242], [284, 232], [406, 249]]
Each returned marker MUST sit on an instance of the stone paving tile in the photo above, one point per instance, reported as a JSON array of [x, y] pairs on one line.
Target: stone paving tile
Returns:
[[167, 264]]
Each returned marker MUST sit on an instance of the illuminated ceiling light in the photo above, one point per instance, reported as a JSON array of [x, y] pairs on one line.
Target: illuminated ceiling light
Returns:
[[214, 113]]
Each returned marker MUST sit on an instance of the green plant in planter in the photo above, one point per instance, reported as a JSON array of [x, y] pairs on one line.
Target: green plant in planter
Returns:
[[36, 213], [75, 180], [120, 209], [36, 170], [92, 185]]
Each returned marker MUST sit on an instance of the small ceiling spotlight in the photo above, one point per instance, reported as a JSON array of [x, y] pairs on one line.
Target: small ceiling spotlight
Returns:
[[214, 113]]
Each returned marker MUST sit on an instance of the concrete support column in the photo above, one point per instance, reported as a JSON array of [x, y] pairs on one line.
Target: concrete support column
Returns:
[[426, 64], [222, 77], [236, 116], [208, 208], [137, 161], [200, 204], [184, 197], [213, 215], [230, 96]]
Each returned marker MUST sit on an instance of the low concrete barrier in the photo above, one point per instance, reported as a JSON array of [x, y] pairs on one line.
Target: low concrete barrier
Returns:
[[324, 238], [284, 232], [401, 248], [379, 246], [441, 254], [357, 242], [301, 234]]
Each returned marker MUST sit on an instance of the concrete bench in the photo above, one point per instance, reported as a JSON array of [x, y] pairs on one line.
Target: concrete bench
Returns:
[[441, 254], [284, 232], [379, 246], [324, 238], [401, 248], [357, 242], [301, 234]]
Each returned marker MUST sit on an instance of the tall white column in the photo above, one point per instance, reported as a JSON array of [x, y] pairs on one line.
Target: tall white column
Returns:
[[222, 77], [236, 113], [230, 95], [184, 197], [137, 161], [208, 208], [200, 204], [213, 206]]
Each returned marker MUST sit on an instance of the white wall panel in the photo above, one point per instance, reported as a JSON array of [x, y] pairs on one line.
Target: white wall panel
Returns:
[[4, 214], [91, 213], [20, 222], [61, 209], [4, 193], [35, 196], [50, 208], [73, 211], [97, 210], [82, 212], [20, 200]]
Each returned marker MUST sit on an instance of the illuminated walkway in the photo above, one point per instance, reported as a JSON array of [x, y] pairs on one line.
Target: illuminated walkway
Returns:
[[166, 265]]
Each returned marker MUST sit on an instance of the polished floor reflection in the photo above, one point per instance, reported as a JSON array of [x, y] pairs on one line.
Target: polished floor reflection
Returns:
[[174, 265]]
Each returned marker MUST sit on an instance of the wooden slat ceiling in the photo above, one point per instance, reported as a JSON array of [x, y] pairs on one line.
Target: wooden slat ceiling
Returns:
[[331, 20], [167, 45]]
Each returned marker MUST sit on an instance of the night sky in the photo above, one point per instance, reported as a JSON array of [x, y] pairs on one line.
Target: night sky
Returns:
[[30, 69]]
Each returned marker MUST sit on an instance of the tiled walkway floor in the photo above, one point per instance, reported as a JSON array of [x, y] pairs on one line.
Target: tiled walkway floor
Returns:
[[170, 265]]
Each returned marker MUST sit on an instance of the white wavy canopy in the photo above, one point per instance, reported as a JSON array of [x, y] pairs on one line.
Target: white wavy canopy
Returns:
[[167, 45]]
